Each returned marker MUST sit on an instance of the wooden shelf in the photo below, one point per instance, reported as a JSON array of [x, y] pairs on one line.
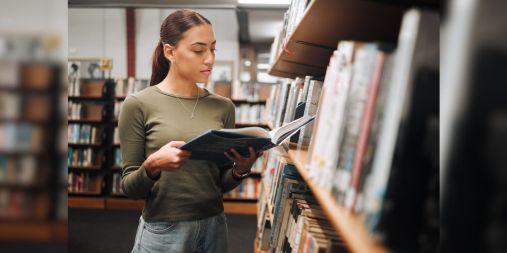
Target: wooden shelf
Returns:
[[85, 144], [124, 204], [256, 246], [88, 193], [347, 224], [95, 168], [97, 99], [86, 121], [84, 202], [240, 208], [33, 231], [325, 23]]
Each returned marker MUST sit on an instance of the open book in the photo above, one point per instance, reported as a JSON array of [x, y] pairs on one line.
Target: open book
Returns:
[[212, 144]]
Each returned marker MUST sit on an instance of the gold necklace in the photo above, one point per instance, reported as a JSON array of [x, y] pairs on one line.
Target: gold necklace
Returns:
[[192, 114]]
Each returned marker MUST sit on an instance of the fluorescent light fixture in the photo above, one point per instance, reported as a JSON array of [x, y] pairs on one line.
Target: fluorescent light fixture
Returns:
[[271, 2]]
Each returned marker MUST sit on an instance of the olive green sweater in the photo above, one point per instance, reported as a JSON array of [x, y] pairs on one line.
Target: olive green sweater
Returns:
[[150, 119]]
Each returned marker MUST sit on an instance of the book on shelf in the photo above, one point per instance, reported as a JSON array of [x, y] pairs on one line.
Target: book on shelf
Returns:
[[248, 189], [250, 114], [125, 87], [83, 157], [311, 105], [116, 187], [84, 134], [297, 223], [212, 144], [402, 169], [329, 122]]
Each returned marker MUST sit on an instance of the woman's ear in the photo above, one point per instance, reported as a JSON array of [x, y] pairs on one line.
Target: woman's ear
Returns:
[[169, 52]]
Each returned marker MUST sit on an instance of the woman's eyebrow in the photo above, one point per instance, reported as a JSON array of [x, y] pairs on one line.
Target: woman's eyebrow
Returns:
[[204, 44]]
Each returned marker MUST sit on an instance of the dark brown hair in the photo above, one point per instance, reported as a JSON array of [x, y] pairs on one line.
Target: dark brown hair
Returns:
[[171, 31]]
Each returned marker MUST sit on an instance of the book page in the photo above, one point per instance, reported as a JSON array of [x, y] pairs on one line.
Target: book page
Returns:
[[278, 135], [252, 131]]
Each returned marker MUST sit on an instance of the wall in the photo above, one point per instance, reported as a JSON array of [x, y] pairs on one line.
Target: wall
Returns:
[[99, 33], [102, 32]]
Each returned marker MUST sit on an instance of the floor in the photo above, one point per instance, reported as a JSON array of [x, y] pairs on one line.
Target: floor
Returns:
[[107, 231]]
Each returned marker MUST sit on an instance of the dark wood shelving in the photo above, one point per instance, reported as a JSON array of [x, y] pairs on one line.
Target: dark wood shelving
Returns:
[[85, 144], [96, 167]]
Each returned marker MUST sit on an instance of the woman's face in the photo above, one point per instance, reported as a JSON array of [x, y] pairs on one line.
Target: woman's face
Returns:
[[194, 54]]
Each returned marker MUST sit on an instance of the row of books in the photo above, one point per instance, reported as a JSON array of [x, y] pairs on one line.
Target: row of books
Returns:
[[258, 166], [289, 219], [19, 170], [292, 100], [117, 108], [25, 137], [250, 114], [84, 133], [249, 91], [30, 76], [125, 87], [249, 189], [83, 157], [16, 204], [117, 157], [85, 111], [10, 106], [377, 119], [116, 187], [83, 182], [291, 19], [87, 79]]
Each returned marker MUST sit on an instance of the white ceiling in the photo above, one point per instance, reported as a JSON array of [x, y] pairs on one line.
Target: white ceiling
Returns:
[[263, 21]]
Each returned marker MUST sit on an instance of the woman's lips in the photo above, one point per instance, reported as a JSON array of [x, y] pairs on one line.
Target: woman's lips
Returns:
[[206, 72]]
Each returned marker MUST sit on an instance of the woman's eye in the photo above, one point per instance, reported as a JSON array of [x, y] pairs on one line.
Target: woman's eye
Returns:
[[198, 52]]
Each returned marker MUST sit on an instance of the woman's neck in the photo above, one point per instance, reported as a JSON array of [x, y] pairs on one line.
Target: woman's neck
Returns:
[[177, 85]]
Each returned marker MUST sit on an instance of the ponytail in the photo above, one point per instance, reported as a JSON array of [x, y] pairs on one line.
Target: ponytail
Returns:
[[160, 65]]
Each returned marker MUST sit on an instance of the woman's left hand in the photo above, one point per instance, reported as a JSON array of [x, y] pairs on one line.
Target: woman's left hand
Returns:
[[243, 164]]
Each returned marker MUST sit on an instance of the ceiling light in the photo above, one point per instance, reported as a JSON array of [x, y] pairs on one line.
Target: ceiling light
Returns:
[[271, 2]]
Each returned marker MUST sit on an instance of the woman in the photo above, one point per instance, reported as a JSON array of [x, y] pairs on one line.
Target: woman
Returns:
[[183, 210]]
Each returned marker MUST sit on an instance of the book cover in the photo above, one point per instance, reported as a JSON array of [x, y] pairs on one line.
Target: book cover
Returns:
[[212, 144]]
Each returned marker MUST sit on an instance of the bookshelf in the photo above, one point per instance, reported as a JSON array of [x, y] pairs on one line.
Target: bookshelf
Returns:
[[325, 22], [346, 155], [31, 151], [107, 193], [348, 225]]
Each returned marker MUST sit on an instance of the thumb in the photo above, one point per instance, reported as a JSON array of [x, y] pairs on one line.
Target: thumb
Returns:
[[176, 144]]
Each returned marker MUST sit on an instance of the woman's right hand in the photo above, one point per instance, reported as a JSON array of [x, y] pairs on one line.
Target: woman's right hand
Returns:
[[168, 158]]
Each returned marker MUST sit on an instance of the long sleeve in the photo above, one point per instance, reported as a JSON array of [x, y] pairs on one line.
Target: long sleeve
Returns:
[[228, 181], [135, 180]]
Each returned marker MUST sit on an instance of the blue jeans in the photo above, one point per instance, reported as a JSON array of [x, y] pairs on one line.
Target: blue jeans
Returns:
[[208, 235]]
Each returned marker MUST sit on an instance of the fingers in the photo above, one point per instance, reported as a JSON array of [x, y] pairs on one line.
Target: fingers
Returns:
[[229, 157], [183, 153], [252, 153], [236, 154]]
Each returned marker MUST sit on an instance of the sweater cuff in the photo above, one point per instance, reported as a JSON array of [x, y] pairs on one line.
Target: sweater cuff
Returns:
[[143, 181], [229, 182]]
